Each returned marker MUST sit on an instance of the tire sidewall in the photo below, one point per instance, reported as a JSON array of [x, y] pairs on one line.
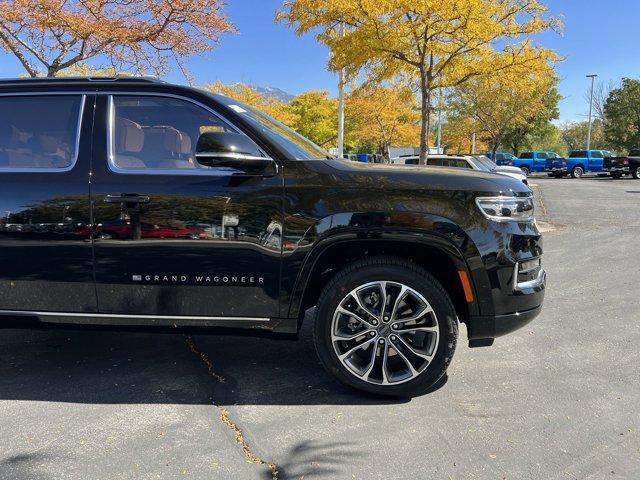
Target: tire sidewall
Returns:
[[423, 283]]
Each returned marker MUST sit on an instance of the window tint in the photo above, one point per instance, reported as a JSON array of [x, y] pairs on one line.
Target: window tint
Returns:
[[578, 154], [499, 156], [526, 155], [39, 132], [596, 154], [542, 155], [411, 161], [634, 153], [159, 133]]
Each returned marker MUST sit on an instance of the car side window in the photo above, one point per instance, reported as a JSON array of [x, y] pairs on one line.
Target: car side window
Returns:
[[155, 134], [39, 132], [596, 154]]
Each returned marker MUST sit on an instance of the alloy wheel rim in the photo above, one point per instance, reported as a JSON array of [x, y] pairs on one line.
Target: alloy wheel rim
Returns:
[[385, 333], [578, 172]]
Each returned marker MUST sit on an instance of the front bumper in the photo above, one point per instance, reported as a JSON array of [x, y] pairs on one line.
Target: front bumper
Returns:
[[483, 330], [522, 304]]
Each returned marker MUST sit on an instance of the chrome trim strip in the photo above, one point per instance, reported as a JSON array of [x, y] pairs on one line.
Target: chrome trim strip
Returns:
[[539, 280], [194, 172], [78, 135], [119, 315]]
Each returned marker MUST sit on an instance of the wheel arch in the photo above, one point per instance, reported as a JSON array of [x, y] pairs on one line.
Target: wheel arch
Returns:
[[435, 254]]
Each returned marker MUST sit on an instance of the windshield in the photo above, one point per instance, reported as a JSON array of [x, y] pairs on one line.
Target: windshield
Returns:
[[486, 164], [295, 144]]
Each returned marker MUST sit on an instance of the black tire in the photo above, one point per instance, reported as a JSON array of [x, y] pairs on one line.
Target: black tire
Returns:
[[577, 172], [525, 171], [558, 174], [616, 175], [393, 270], [636, 173]]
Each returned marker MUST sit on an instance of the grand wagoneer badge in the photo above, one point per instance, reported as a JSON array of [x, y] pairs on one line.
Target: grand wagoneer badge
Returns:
[[224, 279]]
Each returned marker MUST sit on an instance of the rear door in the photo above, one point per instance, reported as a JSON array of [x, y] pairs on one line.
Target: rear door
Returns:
[[174, 239], [45, 250], [540, 161], [596, 161]]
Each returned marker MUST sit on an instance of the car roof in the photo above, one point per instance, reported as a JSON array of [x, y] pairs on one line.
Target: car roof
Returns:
[[77, 80]]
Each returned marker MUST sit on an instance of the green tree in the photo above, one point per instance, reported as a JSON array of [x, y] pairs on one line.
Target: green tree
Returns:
[[574, 135], [537, 125], [622, 111]]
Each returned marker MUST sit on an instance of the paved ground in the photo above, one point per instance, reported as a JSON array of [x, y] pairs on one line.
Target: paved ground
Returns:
[[559, 399]]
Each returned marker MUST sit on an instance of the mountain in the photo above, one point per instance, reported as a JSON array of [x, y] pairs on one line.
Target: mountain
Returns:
[[274, 92]]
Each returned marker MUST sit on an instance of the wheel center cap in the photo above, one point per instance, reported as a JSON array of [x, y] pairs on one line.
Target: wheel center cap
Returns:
[[384, 330]]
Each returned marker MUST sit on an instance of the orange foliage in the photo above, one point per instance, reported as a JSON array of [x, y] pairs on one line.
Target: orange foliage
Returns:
[[142, 36]]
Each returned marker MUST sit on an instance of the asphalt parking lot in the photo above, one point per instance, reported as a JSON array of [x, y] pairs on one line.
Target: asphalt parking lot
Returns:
[[559, 399]]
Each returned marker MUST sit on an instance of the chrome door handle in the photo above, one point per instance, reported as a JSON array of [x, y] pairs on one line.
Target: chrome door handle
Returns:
[[126, 198]]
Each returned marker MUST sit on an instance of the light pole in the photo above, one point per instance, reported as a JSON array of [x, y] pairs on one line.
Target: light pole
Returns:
[[593, 77], [341, 105]]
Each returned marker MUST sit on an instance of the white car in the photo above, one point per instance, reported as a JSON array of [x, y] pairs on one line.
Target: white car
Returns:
[[476, 162]]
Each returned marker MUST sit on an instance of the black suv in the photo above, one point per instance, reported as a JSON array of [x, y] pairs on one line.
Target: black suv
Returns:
[[133, 202]]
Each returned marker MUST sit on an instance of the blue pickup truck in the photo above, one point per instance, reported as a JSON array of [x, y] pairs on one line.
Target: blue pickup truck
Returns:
[[583, 161], [531, 162], [534, 161]]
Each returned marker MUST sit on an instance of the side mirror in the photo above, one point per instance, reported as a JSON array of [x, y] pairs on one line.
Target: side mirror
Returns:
[[233, 150]]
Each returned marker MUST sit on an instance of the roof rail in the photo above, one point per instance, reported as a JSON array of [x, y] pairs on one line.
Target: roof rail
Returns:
[[116, 79]]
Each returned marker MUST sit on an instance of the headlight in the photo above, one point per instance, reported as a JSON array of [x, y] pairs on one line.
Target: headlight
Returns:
[[506, 209]]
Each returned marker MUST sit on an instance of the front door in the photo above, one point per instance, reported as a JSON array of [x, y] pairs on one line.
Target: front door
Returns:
[[171, 237], [45, 247]]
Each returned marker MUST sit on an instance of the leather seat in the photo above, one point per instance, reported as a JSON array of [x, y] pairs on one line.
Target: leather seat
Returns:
[[129, 143]]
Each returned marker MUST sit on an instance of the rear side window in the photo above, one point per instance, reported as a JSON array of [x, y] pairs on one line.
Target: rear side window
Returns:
[[150, 134], [39, 132], [578, 154], [526, 155], [634, 153], [596, 154]]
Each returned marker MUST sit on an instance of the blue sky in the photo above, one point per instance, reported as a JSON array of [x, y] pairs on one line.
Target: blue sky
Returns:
[[599, 37]]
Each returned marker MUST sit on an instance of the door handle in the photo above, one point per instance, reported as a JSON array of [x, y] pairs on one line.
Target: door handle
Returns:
[[126, 198]]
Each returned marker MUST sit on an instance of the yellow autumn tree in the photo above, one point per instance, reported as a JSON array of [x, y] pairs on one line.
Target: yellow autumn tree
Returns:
[[501, 103], [440, 44], [143, 36], [383, 116], [314, 116], [250, 96]]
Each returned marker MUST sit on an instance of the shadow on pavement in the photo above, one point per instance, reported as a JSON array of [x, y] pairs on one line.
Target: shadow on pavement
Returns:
[[94, 366]]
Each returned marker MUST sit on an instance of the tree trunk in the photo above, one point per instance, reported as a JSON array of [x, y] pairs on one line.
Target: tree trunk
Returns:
[[425, 110]]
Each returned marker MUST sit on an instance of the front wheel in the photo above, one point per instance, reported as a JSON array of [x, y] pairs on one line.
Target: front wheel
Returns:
[[525, 171], [616, 175], [636, 173], [386, 327], [577, 172]]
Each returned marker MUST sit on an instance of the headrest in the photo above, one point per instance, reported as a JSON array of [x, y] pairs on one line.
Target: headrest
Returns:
[[129, 136], [46, 144], [8, 135], [176, 141]]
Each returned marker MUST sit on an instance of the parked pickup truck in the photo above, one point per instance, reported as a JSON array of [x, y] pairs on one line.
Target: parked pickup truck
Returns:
[[385, 260], [582, 161], [530, 162], [618, 166]]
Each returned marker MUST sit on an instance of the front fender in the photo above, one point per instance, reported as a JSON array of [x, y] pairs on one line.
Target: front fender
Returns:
[[398, 227]]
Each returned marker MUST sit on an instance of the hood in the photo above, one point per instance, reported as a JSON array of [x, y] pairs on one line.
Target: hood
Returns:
[[505, 168], [421, 177]]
